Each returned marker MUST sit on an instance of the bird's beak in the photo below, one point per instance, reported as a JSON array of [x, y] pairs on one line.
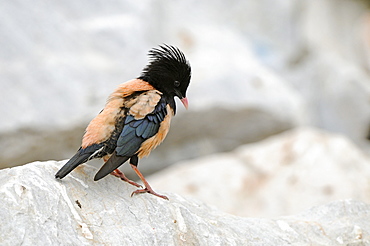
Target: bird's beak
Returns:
[[185, 102]]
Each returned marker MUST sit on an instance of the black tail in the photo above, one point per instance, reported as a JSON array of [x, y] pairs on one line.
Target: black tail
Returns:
[[82, 156], [113, 163]]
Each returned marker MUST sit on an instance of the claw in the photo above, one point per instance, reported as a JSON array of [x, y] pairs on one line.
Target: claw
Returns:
[[150, 191]]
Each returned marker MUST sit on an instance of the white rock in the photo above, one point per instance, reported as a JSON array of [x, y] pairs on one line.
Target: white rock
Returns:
[[281, 175], [36, 209]]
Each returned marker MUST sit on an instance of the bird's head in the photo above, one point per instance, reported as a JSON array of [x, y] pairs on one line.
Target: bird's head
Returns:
[[168, 71]]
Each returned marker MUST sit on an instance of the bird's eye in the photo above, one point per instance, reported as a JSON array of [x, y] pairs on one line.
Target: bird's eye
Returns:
[[176, 83]]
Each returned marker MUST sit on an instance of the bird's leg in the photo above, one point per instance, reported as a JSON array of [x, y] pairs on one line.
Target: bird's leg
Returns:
[[117, 173], [147, 189]]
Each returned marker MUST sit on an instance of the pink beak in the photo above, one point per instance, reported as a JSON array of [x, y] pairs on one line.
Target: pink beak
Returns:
[[185, 102]]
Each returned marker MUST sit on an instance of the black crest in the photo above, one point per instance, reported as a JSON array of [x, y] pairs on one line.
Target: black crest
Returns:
[[167, 53], [166, 64]]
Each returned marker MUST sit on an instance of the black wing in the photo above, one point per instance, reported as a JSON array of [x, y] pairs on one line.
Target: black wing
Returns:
[[133, 134]]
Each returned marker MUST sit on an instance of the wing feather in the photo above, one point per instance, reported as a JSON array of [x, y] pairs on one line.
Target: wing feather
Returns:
[[137, 129]]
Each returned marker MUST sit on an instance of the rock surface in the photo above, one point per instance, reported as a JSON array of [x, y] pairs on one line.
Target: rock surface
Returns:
[[40, 210], [281, 175]]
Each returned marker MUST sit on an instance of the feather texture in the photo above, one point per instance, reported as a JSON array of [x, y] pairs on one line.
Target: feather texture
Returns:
[[103, 125], [136, 132]]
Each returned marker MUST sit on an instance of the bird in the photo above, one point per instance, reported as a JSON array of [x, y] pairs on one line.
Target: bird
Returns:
[[136, 118]]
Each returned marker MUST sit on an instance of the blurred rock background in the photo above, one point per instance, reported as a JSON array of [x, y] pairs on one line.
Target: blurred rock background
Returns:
[[260, 68]]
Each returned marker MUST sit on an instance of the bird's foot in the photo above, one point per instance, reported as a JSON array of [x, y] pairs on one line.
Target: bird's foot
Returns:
[[117, 173], [148, 190]]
